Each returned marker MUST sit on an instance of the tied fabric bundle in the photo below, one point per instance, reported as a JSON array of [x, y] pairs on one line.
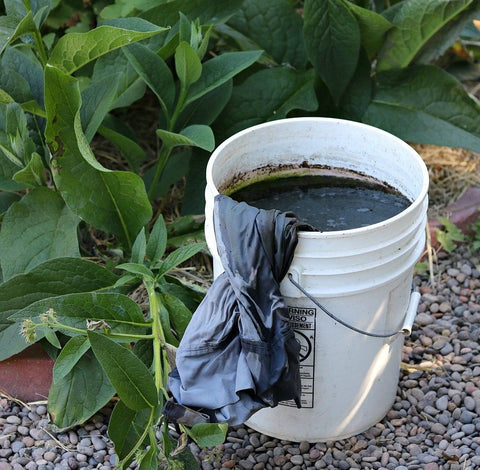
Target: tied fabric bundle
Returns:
[[239, 353]]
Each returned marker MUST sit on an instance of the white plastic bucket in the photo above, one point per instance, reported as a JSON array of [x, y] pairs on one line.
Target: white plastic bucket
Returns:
[[363, 276]]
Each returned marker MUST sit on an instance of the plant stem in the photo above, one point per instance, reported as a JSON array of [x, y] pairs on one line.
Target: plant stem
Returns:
[[178, 108], [37, 37], [42, 53], [164, 150], [129, 337], [159, 167], [158, 336]]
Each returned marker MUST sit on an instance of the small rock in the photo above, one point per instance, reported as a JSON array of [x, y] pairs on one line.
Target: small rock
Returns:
[[304, 447], [16, 446], [246, 464], [41, 410], [424, 319], [98, 443], [279, 460], [442, 403], [438, 428], [49, 456], [296, 459], [28, 441], [12, 419]]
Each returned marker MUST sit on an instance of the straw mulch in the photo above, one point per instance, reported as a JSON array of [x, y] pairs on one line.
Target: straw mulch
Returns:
[[452, 171]]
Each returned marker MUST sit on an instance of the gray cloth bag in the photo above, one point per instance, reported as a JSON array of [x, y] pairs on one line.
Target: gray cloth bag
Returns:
[[239, 353]]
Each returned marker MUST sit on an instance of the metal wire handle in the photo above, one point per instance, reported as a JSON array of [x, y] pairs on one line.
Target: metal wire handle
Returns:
[[335, 318]]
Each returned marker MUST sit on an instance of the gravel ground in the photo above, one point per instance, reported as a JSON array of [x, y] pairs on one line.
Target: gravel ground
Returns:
[[433, 424]]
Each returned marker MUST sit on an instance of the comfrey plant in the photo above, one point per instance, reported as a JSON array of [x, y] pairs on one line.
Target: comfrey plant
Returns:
[[109, 346], [365, 60], [56, 93]]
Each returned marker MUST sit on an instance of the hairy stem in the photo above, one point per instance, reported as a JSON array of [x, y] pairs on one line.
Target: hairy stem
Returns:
[[158, 337], [129, 337], [164, 150]]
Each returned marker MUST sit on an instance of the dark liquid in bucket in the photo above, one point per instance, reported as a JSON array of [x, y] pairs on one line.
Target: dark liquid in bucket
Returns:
[[326, 202]]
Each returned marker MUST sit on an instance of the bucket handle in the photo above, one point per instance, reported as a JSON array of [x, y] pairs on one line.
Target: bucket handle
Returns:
[[407, 324]]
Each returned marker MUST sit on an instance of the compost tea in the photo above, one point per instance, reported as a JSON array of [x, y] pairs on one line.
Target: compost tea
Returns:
[[326, 202]]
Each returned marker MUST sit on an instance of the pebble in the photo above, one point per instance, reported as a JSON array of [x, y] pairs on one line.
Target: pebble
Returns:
[[433, 423]]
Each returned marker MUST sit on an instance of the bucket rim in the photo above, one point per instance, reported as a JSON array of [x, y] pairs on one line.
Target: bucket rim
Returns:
[[423, 193]]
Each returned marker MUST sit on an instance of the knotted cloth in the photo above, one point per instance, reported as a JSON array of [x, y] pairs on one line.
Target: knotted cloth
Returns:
[[239, 353]]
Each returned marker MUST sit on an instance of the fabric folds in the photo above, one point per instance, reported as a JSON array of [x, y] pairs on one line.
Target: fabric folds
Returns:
[[239, 353]]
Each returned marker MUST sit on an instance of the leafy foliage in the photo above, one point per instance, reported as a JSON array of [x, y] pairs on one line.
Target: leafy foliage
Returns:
[[57, 91], [71, 72], [449, 236], [371, 63]]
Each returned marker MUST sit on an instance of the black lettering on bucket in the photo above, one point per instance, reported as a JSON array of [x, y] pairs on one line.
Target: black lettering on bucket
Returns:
[[302, 320]]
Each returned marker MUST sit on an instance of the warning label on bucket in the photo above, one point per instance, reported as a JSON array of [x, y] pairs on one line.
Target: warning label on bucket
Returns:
[[302, 321]]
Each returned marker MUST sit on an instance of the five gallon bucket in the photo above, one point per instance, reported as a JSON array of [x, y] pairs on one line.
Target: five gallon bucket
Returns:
[[362, 277]]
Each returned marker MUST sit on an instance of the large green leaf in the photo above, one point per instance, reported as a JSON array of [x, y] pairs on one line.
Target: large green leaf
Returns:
[[178, 256], [276, 27], [264, 96], [196, 135], [130, 87], [69, 356], [114, 201], [74, 50], [97, 101], [139, 248], [136, 268], [208, 12], [417, 21], [11, 28], [373, 28], [332, 39], [37, 228], [208, 434], [155, 72], [12, 82], [187, 64], [120, 313], [206, 109], [16, 144], [8, 25], [179, 315], [358, 94], [32, 175], [148, 460], [126, 426], [80, 393], [446, 37], [424, 104], [132, 380], [164, 316], [217, 71], [6, 200], [157, 241], [28, 67], [125, 8], [52, 278]]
